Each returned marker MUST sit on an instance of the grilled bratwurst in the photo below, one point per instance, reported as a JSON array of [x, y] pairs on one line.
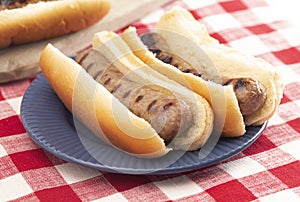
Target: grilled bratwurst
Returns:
[[167, 114], [250, 93]]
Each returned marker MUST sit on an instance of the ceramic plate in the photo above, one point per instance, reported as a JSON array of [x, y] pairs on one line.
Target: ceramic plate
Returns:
[[52, 126]]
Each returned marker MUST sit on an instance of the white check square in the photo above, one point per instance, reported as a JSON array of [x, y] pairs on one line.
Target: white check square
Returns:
[[251, 45], [14, 187], [265, 14], [2, 151], [178, 187], [15, 103], [221, 22], [291, 35], [297, 102], [285, 195], [73, 173], [275, 120], [242, 167], [288, 75], [199, 4], [293, 148]]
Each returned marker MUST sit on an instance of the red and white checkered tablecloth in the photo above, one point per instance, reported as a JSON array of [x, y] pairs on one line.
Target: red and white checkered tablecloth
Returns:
[[268, 170]]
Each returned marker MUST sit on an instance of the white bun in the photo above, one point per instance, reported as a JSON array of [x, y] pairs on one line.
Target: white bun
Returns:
[[45, 20]]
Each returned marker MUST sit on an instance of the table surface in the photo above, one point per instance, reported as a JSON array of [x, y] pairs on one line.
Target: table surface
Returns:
[[268, 170]]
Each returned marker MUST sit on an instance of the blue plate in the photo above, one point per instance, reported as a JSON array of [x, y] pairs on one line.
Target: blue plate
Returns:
[[52, 126]]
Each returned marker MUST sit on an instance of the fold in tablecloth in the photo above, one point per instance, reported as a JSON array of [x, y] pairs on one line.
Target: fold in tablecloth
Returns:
[[267, 171]]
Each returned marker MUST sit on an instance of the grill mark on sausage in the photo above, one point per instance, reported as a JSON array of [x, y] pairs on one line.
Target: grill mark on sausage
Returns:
[[167, 106], [99, 73], [167, 59], [106, 82], [116, 88], [139, 98], [156, 51], [151, 105], [240, 84], [82, 57], [127, 94], [88, 68], [187, 70]]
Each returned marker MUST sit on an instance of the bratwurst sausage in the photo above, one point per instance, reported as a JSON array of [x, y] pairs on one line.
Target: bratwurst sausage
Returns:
[[250, 93], [167, 114]]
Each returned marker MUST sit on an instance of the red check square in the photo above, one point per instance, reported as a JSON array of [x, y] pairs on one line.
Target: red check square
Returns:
[[125, 182], [295, 124], [232, 6], [31, 159], [63, 193], [260, 145], [260, 29], [288, 174], [11, 126], [231, 190], [288, 56]]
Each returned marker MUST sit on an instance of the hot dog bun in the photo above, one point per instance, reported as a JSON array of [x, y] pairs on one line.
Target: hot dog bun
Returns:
[[108, 118], [217, 63], [229, 62], [45, 20]]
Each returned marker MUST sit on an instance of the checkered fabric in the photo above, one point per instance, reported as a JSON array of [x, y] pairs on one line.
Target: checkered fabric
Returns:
[[268, 170]]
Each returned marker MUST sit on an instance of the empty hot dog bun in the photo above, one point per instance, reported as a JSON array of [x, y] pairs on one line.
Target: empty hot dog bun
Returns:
[[39, 20], [243, 90], [118, 111]]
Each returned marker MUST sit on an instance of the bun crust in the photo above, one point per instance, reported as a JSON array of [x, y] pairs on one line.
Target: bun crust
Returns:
[[45, 20]]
